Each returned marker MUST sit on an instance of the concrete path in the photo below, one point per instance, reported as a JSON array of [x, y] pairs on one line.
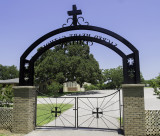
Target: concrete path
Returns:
[[151, 100], [109, 105], [70, 132], [86, 106]]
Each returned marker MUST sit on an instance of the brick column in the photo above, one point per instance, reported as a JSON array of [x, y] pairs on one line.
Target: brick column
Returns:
[[133, 110], [24, 109]]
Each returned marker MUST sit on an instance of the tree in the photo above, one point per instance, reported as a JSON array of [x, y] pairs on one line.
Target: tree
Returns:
[[142, 80], [158, 80], [8, 72], [68, 62], [53, 88], [6, 96], [114, 77], [155, 83]]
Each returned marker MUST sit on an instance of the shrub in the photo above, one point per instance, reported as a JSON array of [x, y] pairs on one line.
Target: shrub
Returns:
[[1, 86], [6, 97], [90, 87], [85, 87], [157, 92], [54, 88], [110, 86], [100, 86]]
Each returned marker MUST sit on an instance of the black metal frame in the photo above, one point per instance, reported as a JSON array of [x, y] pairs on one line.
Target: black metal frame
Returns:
[[93, 111], [131, 71], [97, 107], [53, 113]]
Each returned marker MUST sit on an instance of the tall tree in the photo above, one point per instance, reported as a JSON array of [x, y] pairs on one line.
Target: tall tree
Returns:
[[114, 76], [68, 62], [8, 72], [142, 80], [158, 80], [154, 83]]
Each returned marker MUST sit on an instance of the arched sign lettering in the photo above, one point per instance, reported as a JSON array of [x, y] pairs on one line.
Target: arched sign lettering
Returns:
[[131, 70]]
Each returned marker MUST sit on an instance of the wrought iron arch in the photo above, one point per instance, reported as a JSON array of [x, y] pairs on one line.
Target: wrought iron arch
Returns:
[[131, 70]]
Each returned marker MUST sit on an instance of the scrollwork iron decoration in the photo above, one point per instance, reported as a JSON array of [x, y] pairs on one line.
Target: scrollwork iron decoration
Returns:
[[82, 21], [75, 21], [68, 22], [131, 73]]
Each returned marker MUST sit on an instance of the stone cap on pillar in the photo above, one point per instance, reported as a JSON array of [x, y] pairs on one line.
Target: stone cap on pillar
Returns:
[[24, 91], [133, 90], [132, 85]]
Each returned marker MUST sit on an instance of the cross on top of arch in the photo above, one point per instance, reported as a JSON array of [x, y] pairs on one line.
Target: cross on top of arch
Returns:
[[74, 13]]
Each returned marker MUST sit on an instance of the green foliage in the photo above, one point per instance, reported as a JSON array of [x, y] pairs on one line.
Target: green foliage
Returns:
[[105, 86], [155, 84], [158, 80], [68, 63], [6, 96], [8, 72], [110, 85], [3, 135], [54, 88], [90, 87], [101, 86], [1, 86], [113, 77], [142, 81]]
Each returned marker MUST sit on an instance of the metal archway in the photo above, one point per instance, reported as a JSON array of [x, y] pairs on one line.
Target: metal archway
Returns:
[[131, 70]]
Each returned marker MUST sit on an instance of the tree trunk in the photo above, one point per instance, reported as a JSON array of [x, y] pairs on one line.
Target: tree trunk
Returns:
[[61, 90], [81, 84]]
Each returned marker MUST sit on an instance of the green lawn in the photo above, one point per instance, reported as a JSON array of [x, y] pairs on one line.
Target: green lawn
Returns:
[[3, 135], [147, 87], [44, 114], [121, 120], [39, 96]]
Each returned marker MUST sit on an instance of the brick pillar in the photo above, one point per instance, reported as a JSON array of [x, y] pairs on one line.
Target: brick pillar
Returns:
[[24, 109], [133, 110]]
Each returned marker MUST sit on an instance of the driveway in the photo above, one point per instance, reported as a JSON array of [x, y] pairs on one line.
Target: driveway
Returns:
[[151, 100], [72, 132], [151, 103]]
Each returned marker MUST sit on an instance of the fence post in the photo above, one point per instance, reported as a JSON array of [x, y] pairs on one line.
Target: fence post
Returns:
[[133, 110], [24, 109]]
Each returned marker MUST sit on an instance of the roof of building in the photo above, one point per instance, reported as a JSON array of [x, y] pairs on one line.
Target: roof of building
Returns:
[[10, 81]]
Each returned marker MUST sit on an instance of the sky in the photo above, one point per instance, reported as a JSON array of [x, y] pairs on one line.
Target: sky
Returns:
[[138, 21]]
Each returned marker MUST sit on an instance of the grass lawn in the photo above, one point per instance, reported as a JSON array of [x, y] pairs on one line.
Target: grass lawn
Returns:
[[121, 120], [3, 135], [44, 114], [147, 87]]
